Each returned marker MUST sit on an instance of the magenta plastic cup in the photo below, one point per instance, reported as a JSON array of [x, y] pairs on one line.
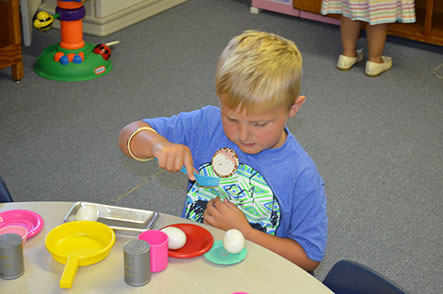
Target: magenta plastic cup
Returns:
[[158, 241]]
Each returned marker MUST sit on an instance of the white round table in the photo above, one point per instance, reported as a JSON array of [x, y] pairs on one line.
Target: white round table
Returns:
[[261, 272]]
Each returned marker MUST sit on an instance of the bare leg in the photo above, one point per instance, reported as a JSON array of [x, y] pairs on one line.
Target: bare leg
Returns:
[[350, 31], [376, 35]]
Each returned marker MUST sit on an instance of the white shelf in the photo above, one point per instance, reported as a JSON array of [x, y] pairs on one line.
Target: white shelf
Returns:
[[104, 17]]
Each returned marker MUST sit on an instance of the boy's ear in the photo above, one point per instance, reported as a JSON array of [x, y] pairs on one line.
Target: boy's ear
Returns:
[[297, 105]]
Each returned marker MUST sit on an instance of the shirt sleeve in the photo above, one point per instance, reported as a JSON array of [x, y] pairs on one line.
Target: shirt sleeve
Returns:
[[195, 129], [180, 128], [309, 221]]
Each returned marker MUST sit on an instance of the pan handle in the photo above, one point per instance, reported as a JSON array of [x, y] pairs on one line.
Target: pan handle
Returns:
[[71, 267]]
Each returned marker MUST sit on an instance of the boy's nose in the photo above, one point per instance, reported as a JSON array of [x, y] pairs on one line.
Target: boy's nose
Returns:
[[244, 133]]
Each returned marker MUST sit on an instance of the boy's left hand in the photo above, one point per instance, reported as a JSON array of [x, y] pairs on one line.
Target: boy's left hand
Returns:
[[225, 215]]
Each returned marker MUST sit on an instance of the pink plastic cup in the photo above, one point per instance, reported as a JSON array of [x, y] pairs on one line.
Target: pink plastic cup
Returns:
[[159, 248], [19, 230]]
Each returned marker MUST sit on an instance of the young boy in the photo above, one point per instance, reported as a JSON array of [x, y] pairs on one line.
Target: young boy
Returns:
[[269, 187]]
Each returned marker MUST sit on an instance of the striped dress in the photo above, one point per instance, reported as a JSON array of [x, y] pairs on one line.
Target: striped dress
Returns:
[[372, 11]]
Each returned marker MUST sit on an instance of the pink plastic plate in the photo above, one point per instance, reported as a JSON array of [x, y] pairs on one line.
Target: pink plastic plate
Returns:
[[28, 219], [19, 230]]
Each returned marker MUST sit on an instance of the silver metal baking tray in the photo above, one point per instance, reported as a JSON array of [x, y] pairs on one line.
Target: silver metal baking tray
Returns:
[[125, 220]]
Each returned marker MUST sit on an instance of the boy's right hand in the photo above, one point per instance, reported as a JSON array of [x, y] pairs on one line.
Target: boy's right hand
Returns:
[[173, 157]]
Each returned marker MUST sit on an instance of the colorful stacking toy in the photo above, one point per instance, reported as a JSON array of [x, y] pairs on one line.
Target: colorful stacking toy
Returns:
[[72, 59]]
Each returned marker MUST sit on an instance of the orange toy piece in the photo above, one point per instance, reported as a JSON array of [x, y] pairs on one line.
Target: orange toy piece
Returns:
[[71, 25], [72, 34], [69, 4], [58, 55], [71, 57]]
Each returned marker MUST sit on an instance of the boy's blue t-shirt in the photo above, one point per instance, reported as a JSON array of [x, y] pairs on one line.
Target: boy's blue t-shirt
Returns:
[[279, 190]]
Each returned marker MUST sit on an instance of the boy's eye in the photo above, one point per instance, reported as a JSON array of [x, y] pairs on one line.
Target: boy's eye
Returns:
[[260, 124], [231, 119]]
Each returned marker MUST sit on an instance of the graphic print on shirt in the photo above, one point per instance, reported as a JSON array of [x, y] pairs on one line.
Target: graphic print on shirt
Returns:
[[246, 188]]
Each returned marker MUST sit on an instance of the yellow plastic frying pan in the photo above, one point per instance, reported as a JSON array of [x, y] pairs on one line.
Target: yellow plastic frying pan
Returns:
[[79, 243]]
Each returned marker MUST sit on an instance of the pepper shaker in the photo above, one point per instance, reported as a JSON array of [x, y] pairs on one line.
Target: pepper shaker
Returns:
[[11, 256]]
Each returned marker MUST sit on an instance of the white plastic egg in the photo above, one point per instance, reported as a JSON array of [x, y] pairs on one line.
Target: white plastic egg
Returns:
[[87, 212], [234, 241], [177, 238]]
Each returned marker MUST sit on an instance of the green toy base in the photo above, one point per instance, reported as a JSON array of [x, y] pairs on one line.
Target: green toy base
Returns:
[[93, 65]]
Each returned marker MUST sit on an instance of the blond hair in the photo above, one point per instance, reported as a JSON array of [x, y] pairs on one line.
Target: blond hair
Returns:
[[258, 71]]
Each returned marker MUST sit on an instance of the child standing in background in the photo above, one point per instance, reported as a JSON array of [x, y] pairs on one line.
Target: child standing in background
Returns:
[[270, 188], [376, 14]]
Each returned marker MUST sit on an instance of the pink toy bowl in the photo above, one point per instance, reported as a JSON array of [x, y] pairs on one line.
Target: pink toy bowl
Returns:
[[19, 230], [158, 241], [28, 219]]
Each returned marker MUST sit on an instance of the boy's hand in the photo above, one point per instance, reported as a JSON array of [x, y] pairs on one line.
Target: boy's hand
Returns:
[[225, 215], [173, 157]]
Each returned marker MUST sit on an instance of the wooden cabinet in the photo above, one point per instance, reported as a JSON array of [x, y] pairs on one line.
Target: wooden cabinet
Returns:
[[10, 38], [308, 5], [427, 28]]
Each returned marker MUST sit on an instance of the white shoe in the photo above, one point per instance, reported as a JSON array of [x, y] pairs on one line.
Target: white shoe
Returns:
[[345, 63], [374, 69]]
